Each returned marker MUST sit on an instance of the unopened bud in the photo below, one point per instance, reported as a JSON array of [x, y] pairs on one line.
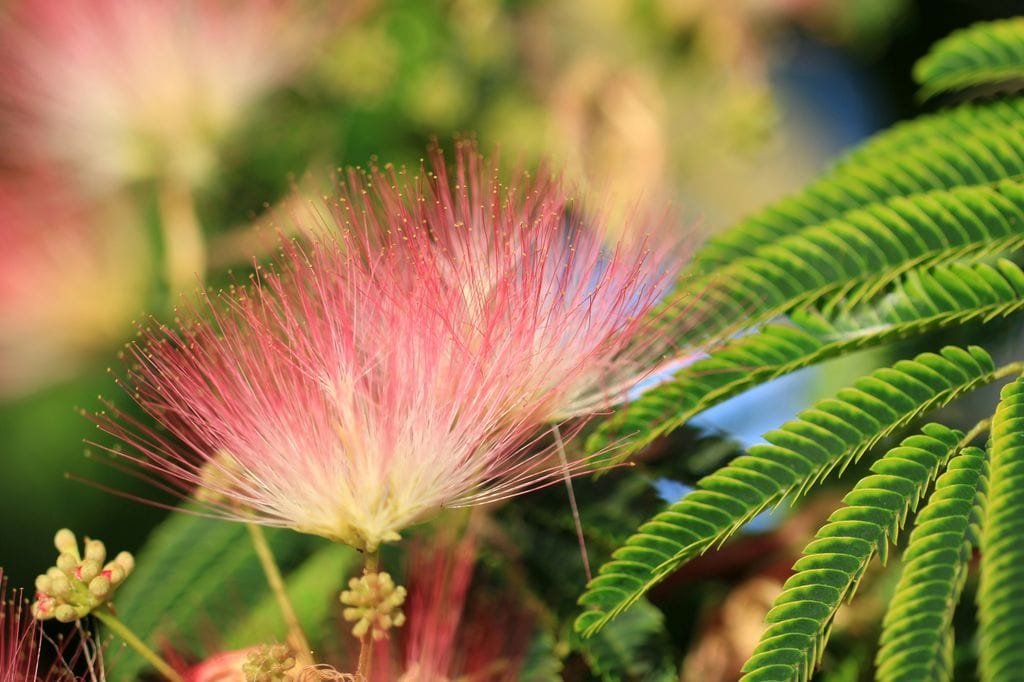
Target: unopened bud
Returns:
[[67, 562], [65, 613], [95, 551], [75, 586], [88, 570], [114, 573], [126, 561], [60, 586], [65, 542], [100, 586], [44, 583]]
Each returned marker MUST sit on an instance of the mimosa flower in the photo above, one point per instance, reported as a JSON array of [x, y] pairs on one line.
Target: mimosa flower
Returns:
[[400, 364], [121, 91]]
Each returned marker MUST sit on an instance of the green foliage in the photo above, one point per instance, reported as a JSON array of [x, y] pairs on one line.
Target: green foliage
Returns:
[[986, 54], [1001, 593], [923, 300], [192, 577], [912, 236], [312, 588], [631, 647], [916, 642], [829, 435], [834, 562], [863, 251], [979, 156]]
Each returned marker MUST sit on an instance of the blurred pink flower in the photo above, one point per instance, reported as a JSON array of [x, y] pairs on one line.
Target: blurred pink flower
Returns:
[[402, 363], [222, 667], [451, 631], [120, 91], [70, 281]]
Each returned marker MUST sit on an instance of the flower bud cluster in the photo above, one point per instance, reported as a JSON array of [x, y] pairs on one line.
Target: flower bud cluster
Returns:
[[79, 582], [269, 664], [373, 603]]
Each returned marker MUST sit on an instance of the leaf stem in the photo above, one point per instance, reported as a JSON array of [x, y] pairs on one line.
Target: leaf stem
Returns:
[[296, 637], [107, 617]]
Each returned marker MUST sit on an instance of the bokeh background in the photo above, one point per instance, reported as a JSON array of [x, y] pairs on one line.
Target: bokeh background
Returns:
[[720, 105]]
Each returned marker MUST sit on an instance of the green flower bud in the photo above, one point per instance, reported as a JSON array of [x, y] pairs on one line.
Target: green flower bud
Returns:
[[126, 561], [60, 586], [65, 613], [88, 570], [66, 542], [67, 562], [44, 584], [95, 551], [114, 573], [100, 586]]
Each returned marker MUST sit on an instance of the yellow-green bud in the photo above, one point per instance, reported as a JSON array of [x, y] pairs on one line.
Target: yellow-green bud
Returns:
[[88, 570], [75, 586], [67, 562], [126, 561], [65, 613], [99, 586], [65, 541], [115, 572], [60, 586], [95, 551], [43, 583]]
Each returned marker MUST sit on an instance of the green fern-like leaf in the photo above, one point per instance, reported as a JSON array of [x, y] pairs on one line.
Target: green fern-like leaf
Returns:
[[917, 634], [834, 562], [985, 54], [1001, 591], [831, 434], [873, 245], [635, 647], [958, 123], [981, 157], [924, 300]]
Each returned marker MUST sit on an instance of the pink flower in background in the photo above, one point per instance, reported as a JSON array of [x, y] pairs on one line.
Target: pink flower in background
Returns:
[[453, 632], [402, 363], [71, 279], [119, 91]]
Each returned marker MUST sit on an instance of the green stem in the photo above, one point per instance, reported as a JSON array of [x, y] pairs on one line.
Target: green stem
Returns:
[[296, 637], [371, 564], [107, 617], [184, 245]]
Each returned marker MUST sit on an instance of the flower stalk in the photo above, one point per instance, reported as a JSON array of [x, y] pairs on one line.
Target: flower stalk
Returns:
[[184, 245], [107, 617], [296, 637]]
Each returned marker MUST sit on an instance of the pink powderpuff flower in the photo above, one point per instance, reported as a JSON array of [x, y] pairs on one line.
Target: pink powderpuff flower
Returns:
[[402, 363], [71, 279], [121, 91], [592, 281]]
